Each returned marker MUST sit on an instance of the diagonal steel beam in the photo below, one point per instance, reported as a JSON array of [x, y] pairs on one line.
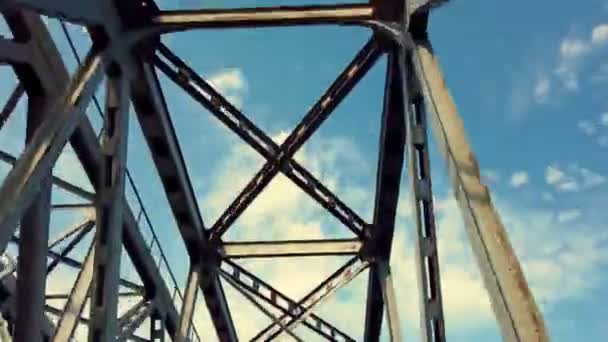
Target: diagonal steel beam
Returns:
[[313, 299], [292, 248], [75, 304], [388, 295], [185, 317], [11, 103], [162, 140], [85, 229], [514, 306], [22, 183], [171, 21], [129, 314], [4, 334], [277, 299], [66, 234], [135, 319], [57, 181], [332, 97], [255, 303], [178, 71]]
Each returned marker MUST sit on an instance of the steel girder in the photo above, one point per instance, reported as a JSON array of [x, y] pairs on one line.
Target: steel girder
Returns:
[[50, 74], [413, 76]]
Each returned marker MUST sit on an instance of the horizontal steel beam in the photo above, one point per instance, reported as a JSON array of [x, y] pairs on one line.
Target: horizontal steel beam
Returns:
[[68, 206], [84, 12], [271, 249], [170, 21], [13, 52], [57, 296]]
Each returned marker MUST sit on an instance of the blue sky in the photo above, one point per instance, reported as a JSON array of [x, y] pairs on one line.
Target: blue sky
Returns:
[[528, 79]]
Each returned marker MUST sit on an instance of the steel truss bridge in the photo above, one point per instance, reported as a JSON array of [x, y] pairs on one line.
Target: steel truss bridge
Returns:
[[127, 50]]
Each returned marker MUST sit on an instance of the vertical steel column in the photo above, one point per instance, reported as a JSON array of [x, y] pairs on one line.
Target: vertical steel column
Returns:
[[34, 234], [421, 196], [23, 182], [185, 318], [514, 306], [388, 295], [157, 327], [109, 201], [388, 184]]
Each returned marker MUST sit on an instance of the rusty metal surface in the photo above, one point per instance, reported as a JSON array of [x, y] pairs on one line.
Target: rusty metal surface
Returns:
[[126, 48]]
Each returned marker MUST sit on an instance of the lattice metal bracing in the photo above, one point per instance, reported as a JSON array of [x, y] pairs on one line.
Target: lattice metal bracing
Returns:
[[126, 49]]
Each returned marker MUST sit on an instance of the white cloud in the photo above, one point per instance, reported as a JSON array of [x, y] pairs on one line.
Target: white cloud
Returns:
[[568, 215], [604, 119], [541, 89], [600, 76], [576, 179], [552, 258], [587, 127], [599, 35], [228, 79], [590, 179], [573, 48], [519, 179], [573, 52], [569, 185], [490, 176], [547, 197], [231, 83], [553, 175], [567, 74]]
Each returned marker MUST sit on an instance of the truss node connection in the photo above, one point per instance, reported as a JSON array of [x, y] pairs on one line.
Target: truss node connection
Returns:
[[126, 51]]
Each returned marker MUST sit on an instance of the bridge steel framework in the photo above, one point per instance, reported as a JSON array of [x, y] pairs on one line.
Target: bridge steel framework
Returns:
[[126, 47]]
